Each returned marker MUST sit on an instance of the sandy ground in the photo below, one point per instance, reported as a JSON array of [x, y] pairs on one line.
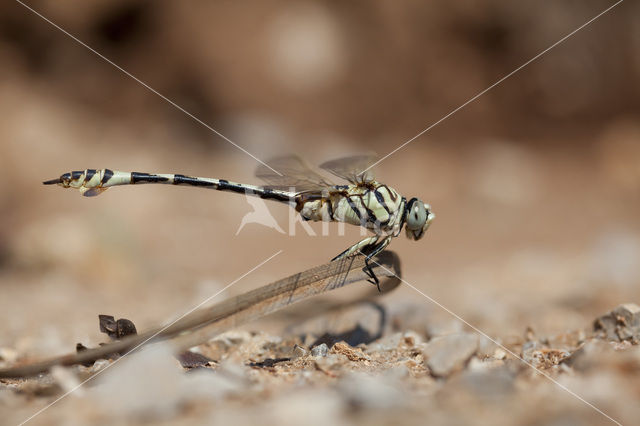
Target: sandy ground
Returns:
[[535, 187]]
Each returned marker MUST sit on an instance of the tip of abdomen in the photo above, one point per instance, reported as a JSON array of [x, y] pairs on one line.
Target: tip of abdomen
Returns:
[[52, 181]]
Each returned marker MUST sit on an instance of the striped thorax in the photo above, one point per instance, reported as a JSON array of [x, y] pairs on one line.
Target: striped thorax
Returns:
[[374, 206]]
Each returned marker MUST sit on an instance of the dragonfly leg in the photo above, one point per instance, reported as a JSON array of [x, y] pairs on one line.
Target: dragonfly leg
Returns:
[[372, 251], [368, 247], [373, 279], [357, 248]]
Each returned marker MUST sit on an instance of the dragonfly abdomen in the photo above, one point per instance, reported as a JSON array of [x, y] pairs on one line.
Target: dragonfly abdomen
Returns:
[[92, 182]]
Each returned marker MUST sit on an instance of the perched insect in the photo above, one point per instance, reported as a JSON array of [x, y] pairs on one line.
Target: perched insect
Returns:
[[363, 202]]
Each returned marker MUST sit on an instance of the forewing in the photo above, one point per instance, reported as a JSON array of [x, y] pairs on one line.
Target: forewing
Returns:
[[352, 168], [295, 173]]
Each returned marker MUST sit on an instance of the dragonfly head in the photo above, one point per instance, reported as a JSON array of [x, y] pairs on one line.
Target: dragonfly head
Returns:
[[419, 217]]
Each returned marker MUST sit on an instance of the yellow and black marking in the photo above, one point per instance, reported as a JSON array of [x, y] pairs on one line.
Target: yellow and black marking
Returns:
[[92, 182]]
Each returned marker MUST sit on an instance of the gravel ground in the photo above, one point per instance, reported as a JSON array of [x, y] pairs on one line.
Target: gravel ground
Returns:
[[451, 378], [535, 186]]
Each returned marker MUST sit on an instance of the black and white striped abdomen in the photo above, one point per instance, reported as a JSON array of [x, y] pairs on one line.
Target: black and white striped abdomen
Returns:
[[92, 182]]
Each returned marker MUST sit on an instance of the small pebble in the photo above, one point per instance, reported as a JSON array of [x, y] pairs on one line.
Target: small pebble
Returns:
[[320, 350], [623, 323], [354, 354], [411, 338], [99, 365], [499, 353], [298, 351], [387, 343], [446, 354], [591, 354]]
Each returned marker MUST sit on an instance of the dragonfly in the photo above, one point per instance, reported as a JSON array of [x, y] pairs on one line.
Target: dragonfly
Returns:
[[362, 201]]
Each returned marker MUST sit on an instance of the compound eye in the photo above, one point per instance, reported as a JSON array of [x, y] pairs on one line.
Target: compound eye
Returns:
[[417, 216]]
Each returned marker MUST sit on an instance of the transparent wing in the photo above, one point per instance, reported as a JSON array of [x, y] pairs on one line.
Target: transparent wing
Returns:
[[352, 168], [295, 174]]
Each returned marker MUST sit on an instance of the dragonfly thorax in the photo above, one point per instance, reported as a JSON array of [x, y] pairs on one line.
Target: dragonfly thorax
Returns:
[[373, 205]]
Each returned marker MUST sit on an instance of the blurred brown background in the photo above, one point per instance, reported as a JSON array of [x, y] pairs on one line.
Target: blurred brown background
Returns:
[[535, 185]]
